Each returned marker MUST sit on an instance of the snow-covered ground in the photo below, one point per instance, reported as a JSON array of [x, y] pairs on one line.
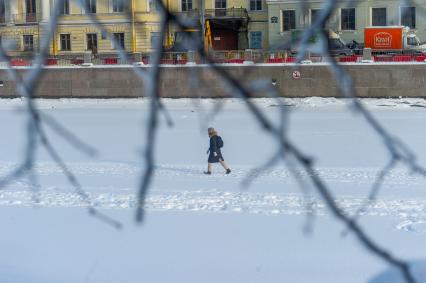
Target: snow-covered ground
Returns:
[[209, 228]]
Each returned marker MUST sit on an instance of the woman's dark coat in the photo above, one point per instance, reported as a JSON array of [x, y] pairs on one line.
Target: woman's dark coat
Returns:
[[214, 148]]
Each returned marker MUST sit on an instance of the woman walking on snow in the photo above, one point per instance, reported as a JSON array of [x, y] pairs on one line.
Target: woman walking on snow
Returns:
[[215, 155]]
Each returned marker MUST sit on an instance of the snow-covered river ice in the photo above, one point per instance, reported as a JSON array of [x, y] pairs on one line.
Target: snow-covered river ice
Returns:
[[212, 228]]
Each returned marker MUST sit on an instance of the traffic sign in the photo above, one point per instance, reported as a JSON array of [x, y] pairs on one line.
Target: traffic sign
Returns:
[[296, 75]]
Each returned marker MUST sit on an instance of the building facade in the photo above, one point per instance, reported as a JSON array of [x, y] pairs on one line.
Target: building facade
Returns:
[[131, 23], [348, 19], [134, 24], [228, 24]]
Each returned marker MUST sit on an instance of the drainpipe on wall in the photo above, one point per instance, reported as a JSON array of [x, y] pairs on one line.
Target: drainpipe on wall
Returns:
[[54, 43], [168, 38], [203, 24], [55, 48], [133, 28]]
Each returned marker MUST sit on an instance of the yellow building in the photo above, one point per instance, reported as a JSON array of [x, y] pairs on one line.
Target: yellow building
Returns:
[[231, 24]]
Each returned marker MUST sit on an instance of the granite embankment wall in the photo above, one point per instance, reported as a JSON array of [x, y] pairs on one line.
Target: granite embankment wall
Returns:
[[370, 80]]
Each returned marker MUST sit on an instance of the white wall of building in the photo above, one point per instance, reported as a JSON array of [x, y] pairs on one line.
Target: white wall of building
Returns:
[[363, 17]]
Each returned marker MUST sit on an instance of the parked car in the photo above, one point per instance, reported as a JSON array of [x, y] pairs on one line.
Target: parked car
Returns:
[[356, 47], [336, 45]]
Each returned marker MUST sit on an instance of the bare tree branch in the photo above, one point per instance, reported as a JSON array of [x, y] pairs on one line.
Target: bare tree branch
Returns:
[[287, 151]]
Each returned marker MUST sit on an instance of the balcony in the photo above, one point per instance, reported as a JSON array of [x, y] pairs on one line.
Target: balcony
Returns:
[[229, 13], [27, 18]]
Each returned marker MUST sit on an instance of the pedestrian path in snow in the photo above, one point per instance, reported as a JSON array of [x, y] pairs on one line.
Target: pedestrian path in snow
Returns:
[[202, 195], [410, 214], [175, 171]]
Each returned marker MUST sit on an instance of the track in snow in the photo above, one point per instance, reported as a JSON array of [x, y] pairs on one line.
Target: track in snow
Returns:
[[410, 214], [106, 169]]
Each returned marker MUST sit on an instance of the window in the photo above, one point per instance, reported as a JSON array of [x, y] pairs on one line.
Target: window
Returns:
[[347, 19], [30, 9], [28, 43], [91, 6], [289, 20], [413, 41], [314, 14], [153, 6], [186, 5], [155, 37], [30, 6], [119, 6], [256, 40], [408, 17], [2, 11], [220, 8], [118, 39], [220, 4], [378, 16], [64, 8], [65, 42], [255, 5], [92, 41]]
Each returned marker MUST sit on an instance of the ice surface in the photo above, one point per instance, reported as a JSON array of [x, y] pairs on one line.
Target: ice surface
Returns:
[[393, 276], [209, 228]]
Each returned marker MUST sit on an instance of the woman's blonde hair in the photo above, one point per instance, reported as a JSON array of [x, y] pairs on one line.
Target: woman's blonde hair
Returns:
[[211, 131]]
